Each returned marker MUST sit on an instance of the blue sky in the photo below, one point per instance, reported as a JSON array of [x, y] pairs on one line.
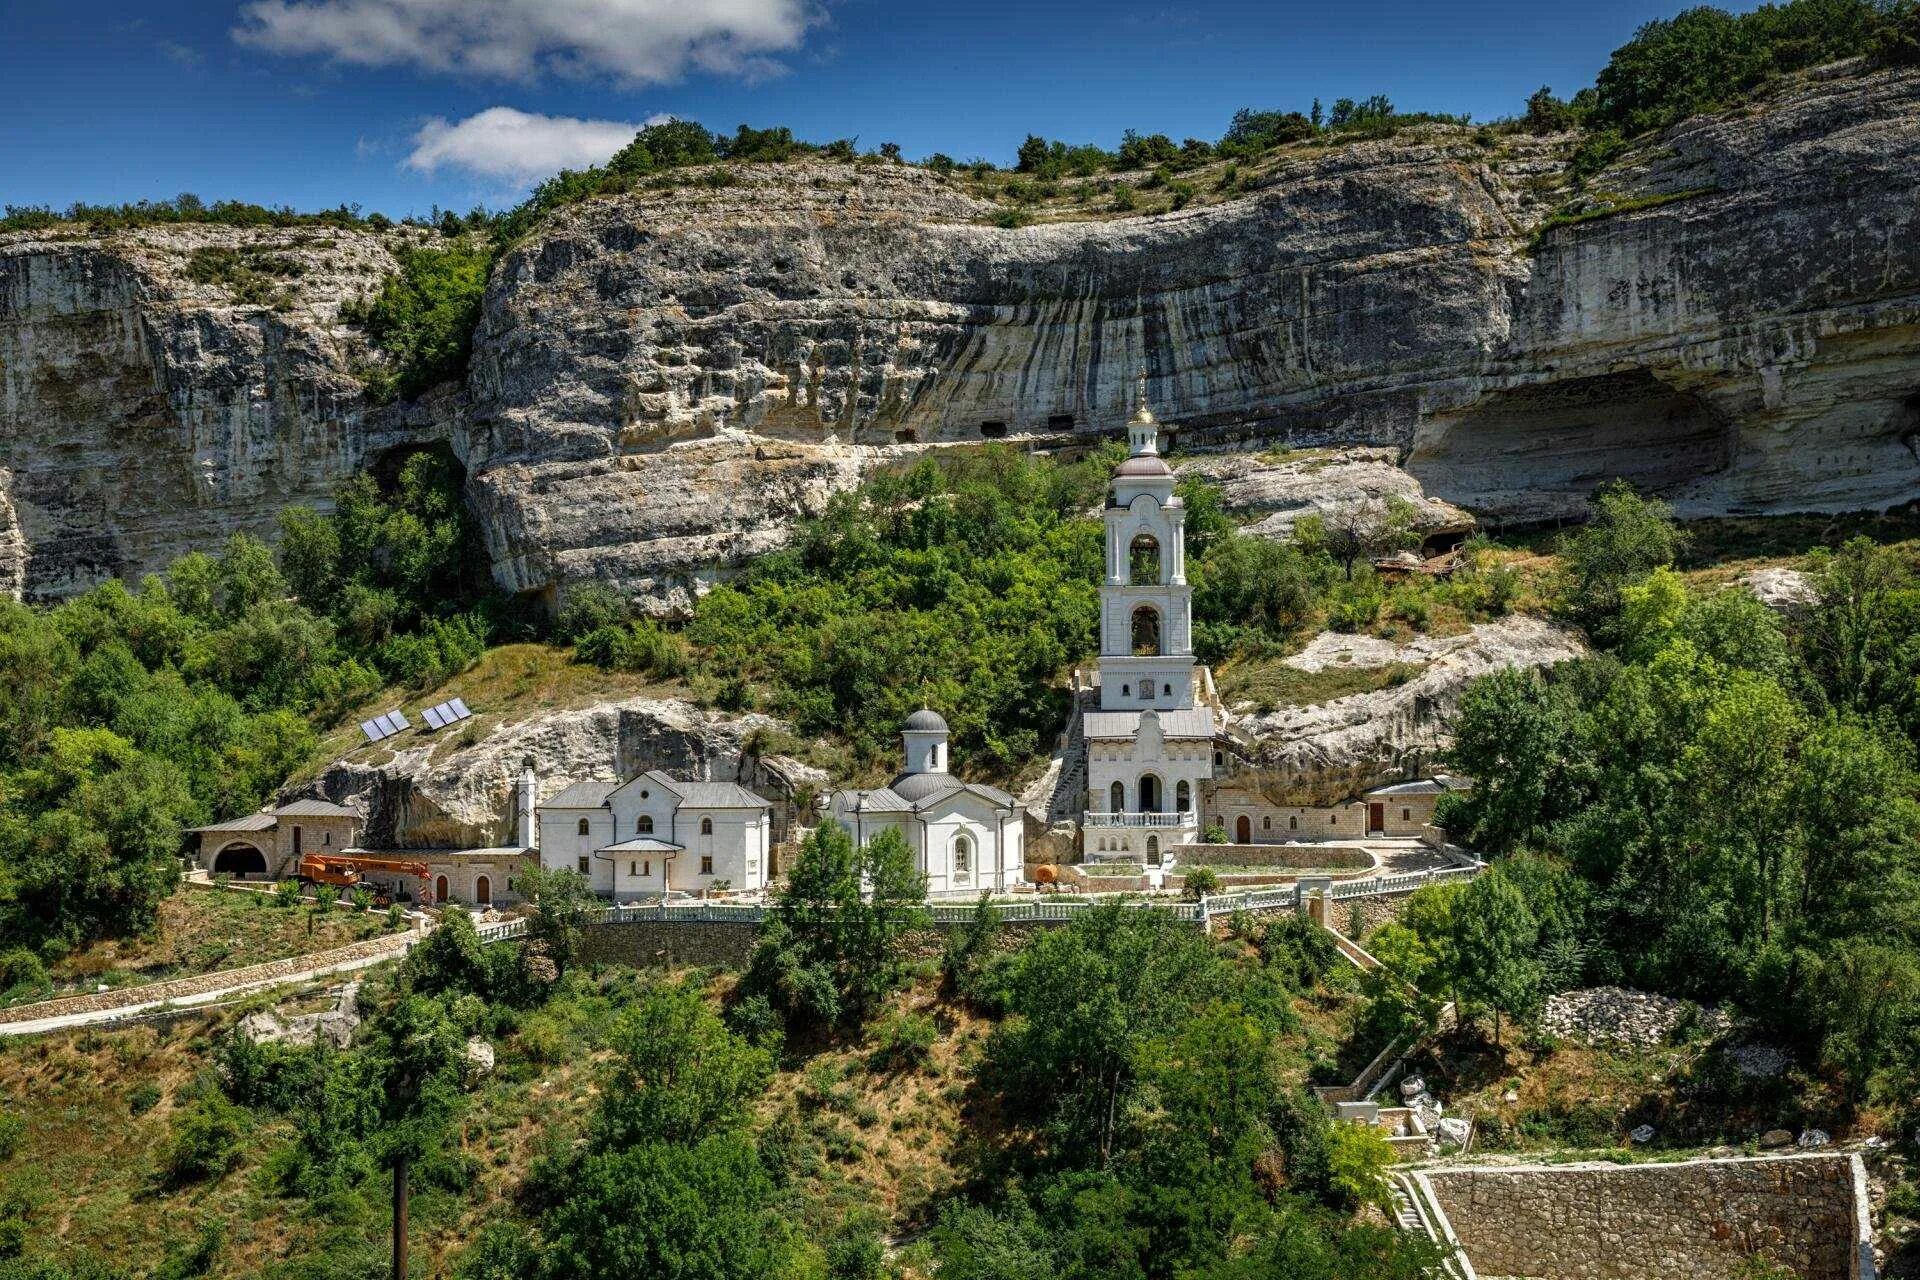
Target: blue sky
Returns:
[[403, 104]]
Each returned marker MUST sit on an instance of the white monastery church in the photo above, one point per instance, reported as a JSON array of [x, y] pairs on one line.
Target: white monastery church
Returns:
[[655, 835], [966, 837], [1150, 749]]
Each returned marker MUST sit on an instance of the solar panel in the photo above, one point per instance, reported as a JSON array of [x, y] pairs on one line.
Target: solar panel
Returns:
[[373, 730], [387, 727], [432, 716], [460, 709], [399, 721]]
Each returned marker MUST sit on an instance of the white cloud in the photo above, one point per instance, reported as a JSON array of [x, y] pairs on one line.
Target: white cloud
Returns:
[[633, 42], [518, 146]]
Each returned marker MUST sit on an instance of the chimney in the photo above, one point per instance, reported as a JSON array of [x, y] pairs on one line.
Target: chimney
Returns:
[[528, 798]]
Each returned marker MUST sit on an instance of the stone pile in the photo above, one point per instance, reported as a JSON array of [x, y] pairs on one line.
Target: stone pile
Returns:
[[1621, 1015]]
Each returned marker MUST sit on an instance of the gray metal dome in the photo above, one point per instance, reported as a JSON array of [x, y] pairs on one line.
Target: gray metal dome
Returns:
[[915, 787], [926, 721]]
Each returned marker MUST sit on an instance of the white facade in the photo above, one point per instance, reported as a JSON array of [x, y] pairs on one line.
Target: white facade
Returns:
[[1150, 746], [966, 838], [655, 834]]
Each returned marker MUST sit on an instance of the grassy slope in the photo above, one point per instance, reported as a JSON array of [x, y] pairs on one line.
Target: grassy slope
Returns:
[[203, 931]]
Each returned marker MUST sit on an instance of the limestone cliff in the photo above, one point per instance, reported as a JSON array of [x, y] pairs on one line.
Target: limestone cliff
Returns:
[[144, 414], [663, 381]]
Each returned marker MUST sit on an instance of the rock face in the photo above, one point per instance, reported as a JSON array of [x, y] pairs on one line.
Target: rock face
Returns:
[[144, 415], [1275, 491], [1333, 748], [663, 381], [445, 794]]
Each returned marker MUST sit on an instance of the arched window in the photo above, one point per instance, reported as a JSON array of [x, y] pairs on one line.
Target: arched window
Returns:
[[645, 825], [1182, 797], [1116, 798], [1146, 632], [583, 828], [1143, 560], [706, 826], [963, 856]]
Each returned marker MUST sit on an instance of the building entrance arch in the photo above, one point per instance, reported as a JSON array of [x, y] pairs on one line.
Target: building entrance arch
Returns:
[[483, 892], [1151, 800], [240, 861], [1243, 830], [440, 889]]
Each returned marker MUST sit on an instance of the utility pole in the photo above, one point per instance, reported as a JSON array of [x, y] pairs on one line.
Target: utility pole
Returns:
[[400, 1219]]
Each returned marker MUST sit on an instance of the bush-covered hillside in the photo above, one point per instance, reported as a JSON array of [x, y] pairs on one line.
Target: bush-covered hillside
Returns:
[[1121, 1097], [1720, 804]]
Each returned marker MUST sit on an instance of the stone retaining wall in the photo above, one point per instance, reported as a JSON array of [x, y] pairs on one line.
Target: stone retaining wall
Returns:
[[1303, 855], [650, 944], [1700, 1218]]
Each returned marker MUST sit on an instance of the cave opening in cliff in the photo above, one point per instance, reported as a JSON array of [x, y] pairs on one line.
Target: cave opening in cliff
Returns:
[[993, 430], [1060, 422], [385, 466], [1535, 452]]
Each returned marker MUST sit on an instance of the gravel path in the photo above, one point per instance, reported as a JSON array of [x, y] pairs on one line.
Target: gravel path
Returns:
[[106, 1006]]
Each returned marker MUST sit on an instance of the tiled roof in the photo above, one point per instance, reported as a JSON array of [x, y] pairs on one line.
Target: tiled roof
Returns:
[[716, 795], [878, 800], [252, 822], [887, 800], [642, 844], [583, 795], [314, 809], [1195, 722]]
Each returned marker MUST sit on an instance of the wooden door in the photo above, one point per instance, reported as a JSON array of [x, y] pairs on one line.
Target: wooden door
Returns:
[[1376, 818], [1243, 830]]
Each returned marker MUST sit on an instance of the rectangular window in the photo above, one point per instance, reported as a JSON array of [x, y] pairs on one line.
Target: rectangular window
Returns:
[[753, 865], [1293, 823], [633, 867], [1406, 815], [706, 864], [583, 865], [647, 867]]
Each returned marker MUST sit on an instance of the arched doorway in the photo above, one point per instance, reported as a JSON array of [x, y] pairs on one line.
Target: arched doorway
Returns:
[[440, 889], [1182, 796], [483, 892], [1116, 798], [1143, 561], [1243, 830], [1153, 851], [240, 861], [1150, 797], [1146, 633]]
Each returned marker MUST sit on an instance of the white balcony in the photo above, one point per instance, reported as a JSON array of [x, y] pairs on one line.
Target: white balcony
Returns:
[[1096, 818]]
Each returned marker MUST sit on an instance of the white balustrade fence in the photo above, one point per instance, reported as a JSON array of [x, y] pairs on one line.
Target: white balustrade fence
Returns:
[[1047, 910]]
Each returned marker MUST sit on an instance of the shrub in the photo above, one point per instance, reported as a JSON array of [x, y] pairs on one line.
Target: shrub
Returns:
[[424, 316], [1297, 951], [143, 1097], [1201, 881], [12, 1130], [1214, 834], [1358, 1156], [21, 974], [903, 1041], [205, 1142], [286, 893]]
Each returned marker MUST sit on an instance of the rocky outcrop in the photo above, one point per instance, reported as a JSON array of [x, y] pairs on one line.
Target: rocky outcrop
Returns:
[[144, 414], [447, 792], [1333, 748], [663, 381], [1274, 491]]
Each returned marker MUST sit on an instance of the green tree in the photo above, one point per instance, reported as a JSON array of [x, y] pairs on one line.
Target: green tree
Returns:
[[677, 1074], [1867, 994], [1626, 537], [414, 1062], [562, 900], [1493, 939]]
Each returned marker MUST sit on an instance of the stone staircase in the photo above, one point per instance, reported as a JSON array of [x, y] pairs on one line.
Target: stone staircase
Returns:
[[1069, 797]]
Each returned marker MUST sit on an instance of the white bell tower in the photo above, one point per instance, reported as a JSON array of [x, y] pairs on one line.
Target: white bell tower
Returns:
[[1146, 606]]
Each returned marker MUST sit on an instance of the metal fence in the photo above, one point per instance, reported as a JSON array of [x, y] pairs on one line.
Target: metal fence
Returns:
[[1039, 910]]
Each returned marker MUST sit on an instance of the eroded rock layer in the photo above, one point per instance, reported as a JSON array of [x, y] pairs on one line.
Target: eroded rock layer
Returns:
[[664, 381]]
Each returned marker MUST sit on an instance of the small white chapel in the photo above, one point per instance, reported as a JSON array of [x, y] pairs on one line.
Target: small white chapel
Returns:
[[966, 837]]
